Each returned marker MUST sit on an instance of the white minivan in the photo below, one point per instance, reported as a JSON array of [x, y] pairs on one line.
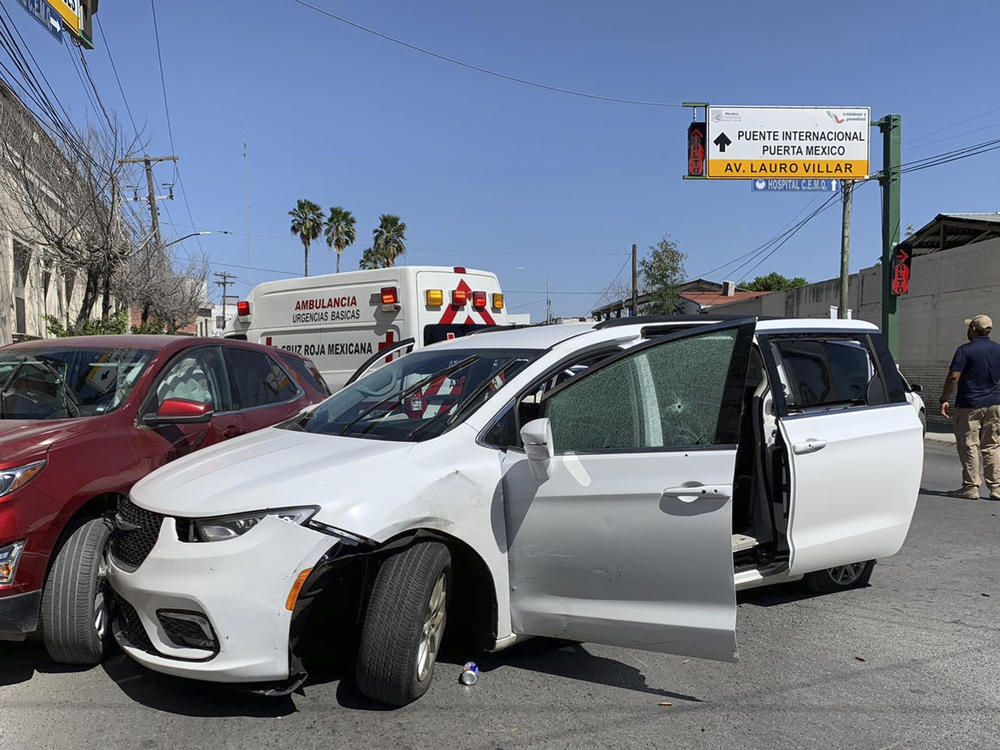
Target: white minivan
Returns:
[[343, 320], [614, 482]]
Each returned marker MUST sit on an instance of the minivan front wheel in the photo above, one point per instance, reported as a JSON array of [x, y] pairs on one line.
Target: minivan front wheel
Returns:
[[404, 624], [75, 621], [841, 577]]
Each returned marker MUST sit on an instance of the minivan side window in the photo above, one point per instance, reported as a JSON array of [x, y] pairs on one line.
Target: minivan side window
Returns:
[[198, 375], [828, 371], [504, 433], [665, 396], [257, 380]]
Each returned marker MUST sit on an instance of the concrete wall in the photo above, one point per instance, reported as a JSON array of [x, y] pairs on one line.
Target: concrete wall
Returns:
[[39, 299], [945, 288]]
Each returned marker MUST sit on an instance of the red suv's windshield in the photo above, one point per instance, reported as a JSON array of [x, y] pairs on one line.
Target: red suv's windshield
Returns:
[[65, 382]]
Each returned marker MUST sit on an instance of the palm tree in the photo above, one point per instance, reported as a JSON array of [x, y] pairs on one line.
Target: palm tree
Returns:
[[307, 223], [339, 228], [388, 239]]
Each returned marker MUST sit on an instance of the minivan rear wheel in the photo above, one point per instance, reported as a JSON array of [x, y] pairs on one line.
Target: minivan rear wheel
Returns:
[[74, 617], [404, 624], [841, 577]]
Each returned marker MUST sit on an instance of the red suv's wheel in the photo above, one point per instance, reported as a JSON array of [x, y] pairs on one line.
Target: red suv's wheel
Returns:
[[75, 623]]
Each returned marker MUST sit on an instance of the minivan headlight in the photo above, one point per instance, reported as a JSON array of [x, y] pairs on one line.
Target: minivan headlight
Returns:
[[14, 479], [221, 528]]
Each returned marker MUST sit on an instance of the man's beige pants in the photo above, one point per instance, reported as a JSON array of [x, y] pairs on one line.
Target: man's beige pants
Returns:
[[979, 430]]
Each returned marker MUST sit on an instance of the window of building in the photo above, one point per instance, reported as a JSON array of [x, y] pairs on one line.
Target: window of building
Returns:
[[22, 264]]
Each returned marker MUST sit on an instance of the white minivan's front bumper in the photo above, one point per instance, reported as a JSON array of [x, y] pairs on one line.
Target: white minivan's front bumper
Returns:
[[240, 586]]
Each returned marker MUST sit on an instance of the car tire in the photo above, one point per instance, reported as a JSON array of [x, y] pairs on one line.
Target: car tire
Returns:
[[840, 578], [403, 624], [74, 617]]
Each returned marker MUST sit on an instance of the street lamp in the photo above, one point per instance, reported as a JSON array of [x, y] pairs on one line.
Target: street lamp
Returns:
[[186, 236], [548, 302], [172, 242]]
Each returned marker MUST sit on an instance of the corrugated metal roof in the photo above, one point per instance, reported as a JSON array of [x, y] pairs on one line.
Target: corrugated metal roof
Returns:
[[946, 231]]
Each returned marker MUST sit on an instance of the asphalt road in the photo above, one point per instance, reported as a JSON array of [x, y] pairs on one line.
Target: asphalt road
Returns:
[[911, 661]]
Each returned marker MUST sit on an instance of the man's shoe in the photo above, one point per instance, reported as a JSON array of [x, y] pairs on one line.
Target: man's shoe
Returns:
[[966, 493]]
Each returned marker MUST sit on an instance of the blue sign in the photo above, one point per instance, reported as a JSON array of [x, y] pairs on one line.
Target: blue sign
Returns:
[[45, 15], [793, 186]]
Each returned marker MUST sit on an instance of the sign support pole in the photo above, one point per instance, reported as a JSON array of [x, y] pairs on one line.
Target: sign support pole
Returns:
[[889, 180], [845, 250]]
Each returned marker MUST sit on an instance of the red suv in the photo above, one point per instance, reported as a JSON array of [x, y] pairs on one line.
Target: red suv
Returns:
[[83, 419]]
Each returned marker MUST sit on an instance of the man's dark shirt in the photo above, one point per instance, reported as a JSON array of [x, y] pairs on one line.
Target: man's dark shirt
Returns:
[[979, 363]]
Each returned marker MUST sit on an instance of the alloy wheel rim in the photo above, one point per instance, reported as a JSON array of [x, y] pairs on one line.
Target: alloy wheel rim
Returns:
[[845, 575], [100, 601], [433, 628]]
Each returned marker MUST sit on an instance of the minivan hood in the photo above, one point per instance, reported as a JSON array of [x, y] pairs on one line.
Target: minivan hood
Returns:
[[270, 468], [26, 439]]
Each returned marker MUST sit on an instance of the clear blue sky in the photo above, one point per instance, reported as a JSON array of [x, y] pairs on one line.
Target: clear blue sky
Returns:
[[494, 174]]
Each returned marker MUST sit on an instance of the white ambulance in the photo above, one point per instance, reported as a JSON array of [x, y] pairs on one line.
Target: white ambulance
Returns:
[[342, 321]]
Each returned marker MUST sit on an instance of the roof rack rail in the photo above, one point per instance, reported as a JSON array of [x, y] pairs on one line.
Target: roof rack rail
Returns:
[[509, 327], [647, 319]]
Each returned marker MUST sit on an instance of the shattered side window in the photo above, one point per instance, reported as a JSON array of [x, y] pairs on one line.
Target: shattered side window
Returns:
[[666, 396], [689, 377], [598, 413]]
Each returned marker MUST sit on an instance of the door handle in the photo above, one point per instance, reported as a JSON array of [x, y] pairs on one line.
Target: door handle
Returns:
[[693, 492], [232, 431], [810, 445]]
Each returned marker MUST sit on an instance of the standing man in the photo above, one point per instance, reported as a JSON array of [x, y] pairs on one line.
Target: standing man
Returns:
[[975, 369]]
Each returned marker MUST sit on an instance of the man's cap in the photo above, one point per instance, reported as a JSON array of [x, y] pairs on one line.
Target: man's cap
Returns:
[[980, 322]]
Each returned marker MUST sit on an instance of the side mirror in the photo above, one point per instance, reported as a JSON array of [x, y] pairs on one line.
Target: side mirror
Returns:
[[179, 411], [536, 436], [916, 388]]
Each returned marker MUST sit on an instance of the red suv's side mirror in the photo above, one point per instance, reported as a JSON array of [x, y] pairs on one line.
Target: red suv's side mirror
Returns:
[[179, 411]]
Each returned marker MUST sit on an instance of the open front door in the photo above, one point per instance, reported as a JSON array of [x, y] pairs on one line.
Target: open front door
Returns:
[[854, 447], [627, 539]]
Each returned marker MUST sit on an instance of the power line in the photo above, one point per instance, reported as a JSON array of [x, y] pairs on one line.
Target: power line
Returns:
[[479, 68], [163, 80], [604, 294], [170, 131], [949, 127], [114, 69], [769, 248], [951, 156]]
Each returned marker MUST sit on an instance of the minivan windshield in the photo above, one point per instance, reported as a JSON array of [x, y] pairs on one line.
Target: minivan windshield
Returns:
[[416, 397], [67, 382]]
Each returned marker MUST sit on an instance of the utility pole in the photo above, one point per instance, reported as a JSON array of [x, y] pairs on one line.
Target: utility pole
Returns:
[[148, 161], [226, 279], [889, 180], [635, 282], [845, 249]]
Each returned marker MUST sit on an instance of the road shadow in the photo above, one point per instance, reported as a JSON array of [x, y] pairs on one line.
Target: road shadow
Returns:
[[942, 493], [562, 658], [20, 661], [188, 697], [786, 593]]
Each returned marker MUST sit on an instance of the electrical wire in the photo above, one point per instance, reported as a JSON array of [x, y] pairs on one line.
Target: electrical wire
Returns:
[[170, 132], [114, 69], [604, 294], [479, 68], [949, 127]]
